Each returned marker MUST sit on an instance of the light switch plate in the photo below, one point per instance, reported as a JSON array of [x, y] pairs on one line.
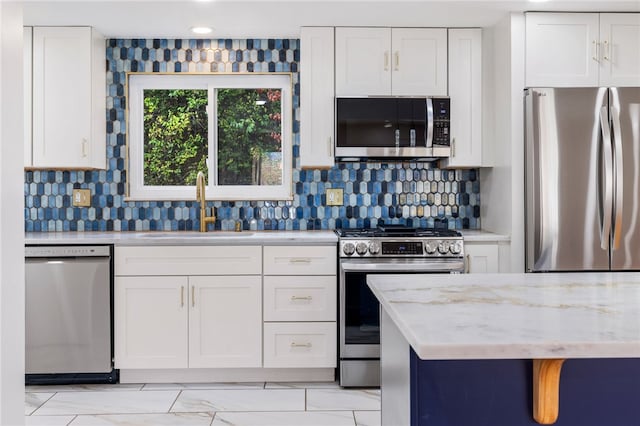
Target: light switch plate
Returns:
[[82, 197], [334, 196]]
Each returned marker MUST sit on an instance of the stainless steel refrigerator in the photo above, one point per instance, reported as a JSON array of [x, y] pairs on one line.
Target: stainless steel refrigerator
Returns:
[[582, 170]]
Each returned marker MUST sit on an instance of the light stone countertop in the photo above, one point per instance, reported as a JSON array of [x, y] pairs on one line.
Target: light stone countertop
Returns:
[[478, 235], [211, 238], [166, 238], [515, 316]]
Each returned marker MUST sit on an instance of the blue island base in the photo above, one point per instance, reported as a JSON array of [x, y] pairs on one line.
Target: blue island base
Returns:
[[593, 392]]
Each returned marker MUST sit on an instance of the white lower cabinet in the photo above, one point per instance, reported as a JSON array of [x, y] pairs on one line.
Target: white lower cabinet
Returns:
[[482, 257], [300, 344], [300, 298], [211, 308], [151, 320], [225, 320], [167, 318], [196, 322], [300, 307], [300, 260]]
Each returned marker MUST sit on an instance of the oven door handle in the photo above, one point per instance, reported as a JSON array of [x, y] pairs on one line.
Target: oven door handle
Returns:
[[430, 266]]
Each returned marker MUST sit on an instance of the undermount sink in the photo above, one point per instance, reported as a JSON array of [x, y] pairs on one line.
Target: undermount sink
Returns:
[[196, 234]]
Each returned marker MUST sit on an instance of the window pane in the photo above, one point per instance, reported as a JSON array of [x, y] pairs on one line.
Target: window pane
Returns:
[[175, 136], [249, 137]]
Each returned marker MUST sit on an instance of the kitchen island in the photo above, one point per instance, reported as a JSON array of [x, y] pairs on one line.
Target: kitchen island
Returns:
[[490, 349]]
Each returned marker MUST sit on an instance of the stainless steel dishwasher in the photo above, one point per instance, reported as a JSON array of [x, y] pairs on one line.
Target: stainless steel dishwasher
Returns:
[[69, 301]]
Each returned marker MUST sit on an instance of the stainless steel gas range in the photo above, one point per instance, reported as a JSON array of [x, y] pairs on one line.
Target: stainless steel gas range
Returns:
[[390, 249]]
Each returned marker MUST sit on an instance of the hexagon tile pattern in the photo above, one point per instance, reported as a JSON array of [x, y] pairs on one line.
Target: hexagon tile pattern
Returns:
[[412, 193]]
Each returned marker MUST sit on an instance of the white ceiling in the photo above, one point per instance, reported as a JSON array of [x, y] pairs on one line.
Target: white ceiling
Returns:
[[263, 18]]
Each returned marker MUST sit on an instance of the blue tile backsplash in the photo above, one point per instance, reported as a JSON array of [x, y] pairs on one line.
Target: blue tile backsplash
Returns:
[[415, 194]]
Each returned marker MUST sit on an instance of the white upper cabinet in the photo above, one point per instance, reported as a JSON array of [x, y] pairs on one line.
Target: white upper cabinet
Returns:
[[363, 61], [561, 49], [582, 49], [620, 44], [316, 97], [465, 91], [419, 61], [391, 61], [28, 55], [69, 98]]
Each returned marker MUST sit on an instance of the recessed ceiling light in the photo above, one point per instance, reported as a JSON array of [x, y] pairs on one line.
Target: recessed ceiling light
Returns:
[[538, 1], [201, 30]]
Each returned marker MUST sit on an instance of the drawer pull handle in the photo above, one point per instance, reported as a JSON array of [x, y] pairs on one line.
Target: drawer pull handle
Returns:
[[300, 345], [294, 298], [300, 260]]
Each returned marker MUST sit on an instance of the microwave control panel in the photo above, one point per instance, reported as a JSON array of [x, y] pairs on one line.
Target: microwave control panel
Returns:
[[441, 125]]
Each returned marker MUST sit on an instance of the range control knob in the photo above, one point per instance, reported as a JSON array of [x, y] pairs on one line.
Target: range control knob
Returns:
[[456, 248], [374, 247], [362, 248], [431, 247], [348, 249], [443, 247]]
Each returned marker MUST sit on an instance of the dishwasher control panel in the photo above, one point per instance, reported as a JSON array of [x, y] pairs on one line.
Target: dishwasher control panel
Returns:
[[66, 251]]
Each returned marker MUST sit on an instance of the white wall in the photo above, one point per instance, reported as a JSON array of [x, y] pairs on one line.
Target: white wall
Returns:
[[11, 217], [517, 142], [502, 185]]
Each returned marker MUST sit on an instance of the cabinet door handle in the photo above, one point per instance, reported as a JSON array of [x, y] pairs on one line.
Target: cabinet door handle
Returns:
[[397, 55], [467, 266], [301, 345], [607, 56], [193, 296], [84, 147], [330, 146], [453, 147], [300, 260], [182, 296], [294, 298], [386, 60], [596, 48]]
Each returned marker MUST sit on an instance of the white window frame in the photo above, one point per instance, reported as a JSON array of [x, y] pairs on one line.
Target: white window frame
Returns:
[[137, 83]]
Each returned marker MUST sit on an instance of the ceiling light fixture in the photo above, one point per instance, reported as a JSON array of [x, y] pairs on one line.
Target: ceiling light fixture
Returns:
[[538, 1], [201, 30]]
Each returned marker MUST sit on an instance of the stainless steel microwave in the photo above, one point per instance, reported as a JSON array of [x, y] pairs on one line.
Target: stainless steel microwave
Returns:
[[378, 128]]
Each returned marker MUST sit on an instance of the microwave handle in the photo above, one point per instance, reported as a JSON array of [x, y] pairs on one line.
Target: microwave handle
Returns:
[[429, 122]]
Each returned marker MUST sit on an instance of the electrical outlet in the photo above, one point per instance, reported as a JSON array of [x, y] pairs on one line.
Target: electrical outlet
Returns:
[[82, 197], [334, 196]]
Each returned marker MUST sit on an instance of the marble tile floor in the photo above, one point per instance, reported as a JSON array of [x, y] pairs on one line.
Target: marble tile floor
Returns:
[[202, 404]]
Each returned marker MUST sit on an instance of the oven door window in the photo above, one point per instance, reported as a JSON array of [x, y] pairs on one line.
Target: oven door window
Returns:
[[362, 316]]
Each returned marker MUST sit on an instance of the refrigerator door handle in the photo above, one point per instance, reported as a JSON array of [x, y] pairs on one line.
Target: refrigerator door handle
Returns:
[[618, 181], [606, 181]]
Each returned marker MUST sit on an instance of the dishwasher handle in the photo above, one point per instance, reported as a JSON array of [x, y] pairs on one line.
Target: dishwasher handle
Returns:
[[60, 251]]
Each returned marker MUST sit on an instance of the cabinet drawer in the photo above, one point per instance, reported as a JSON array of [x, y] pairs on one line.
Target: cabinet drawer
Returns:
[[188, 260], [300, 260], [300, 298], [300, 345]]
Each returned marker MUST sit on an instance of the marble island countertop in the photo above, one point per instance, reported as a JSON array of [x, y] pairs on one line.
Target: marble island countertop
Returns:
[[514, 316]]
